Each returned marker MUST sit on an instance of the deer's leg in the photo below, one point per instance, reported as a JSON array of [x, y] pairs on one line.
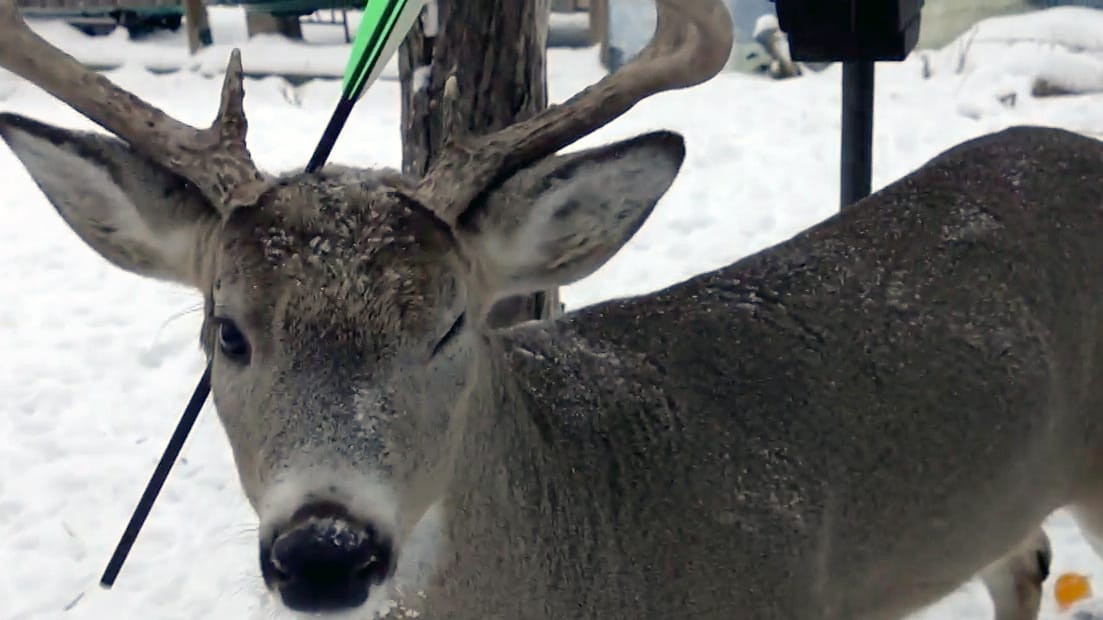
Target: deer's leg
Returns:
[[1015, 581], [1088, 513]]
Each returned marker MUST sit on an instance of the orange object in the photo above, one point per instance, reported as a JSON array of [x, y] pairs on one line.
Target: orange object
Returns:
[[1071, 587]]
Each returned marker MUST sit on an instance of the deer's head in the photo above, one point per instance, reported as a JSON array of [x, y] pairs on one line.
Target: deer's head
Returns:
[[345, 309]]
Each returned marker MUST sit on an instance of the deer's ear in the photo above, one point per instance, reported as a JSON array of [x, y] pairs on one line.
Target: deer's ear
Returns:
[[131, 211], [562, 218]]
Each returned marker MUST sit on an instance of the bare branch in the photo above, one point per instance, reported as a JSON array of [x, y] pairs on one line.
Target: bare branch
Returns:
[[216, 159]]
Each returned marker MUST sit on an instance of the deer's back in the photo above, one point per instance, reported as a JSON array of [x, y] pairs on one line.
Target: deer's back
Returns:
[[766, 435]]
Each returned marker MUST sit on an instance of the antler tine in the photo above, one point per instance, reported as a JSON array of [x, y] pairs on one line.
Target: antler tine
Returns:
[[692, 42], [216, 159]]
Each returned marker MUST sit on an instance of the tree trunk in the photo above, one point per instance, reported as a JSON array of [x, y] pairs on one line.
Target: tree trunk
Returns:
[[257, 22], [197, 24], [497, 50], [599, 28]]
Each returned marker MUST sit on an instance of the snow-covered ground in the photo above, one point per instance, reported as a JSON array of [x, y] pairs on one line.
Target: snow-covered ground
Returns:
[[323, 52], [96, 363]]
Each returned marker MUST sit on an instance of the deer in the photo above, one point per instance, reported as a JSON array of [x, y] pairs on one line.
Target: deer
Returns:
[[1015, 581], [848, 424]]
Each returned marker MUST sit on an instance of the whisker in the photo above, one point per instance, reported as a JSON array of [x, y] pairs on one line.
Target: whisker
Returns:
[[175, 316]]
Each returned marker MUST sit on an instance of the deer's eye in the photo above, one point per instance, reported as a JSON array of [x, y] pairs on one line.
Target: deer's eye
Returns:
[[232, 342], [453, 331]]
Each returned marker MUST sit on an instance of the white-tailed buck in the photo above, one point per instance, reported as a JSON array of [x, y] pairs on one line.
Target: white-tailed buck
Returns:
[[847, 425]]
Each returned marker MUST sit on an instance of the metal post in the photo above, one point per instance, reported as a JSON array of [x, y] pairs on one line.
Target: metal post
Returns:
[[857, 139]]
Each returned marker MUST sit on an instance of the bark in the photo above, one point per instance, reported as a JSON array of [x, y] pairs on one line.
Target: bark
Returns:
[[497, 50], [197, 24]]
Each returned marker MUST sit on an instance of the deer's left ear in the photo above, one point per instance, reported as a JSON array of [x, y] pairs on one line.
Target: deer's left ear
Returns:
[[128, 209], [562, 218]]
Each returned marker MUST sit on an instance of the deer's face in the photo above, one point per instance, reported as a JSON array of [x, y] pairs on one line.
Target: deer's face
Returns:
[[336, 320], [345, 321]]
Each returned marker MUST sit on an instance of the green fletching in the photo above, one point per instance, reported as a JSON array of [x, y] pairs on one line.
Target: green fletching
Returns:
[[382, 28]]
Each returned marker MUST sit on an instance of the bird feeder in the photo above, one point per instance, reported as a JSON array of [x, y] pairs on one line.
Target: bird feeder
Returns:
[[857, 33]]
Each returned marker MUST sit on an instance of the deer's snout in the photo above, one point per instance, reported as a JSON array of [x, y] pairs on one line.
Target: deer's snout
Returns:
[[325, 559]]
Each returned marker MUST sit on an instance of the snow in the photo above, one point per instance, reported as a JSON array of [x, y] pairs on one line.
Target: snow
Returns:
[[421, 77], [98, 363], [1063, 46], [322, 53]]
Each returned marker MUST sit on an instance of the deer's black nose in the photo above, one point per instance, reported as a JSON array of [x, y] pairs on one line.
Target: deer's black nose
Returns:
[[324, 560]]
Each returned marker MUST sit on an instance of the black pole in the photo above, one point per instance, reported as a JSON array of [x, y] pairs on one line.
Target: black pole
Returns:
[[857, 140]]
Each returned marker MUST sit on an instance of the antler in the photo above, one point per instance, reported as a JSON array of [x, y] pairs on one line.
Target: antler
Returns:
[[692, 42], [215, 159]]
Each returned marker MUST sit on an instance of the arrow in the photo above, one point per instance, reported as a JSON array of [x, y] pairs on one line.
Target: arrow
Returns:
[[384, 25]]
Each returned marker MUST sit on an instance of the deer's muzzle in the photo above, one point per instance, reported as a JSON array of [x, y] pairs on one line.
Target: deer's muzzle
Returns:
[[325, 559]]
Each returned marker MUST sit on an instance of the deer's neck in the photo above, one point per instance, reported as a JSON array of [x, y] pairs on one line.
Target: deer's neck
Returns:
[[502, 451], [547, 465]]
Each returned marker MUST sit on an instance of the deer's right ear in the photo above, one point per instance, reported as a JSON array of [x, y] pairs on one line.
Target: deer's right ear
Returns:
[[131, 211], [563, 217]]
